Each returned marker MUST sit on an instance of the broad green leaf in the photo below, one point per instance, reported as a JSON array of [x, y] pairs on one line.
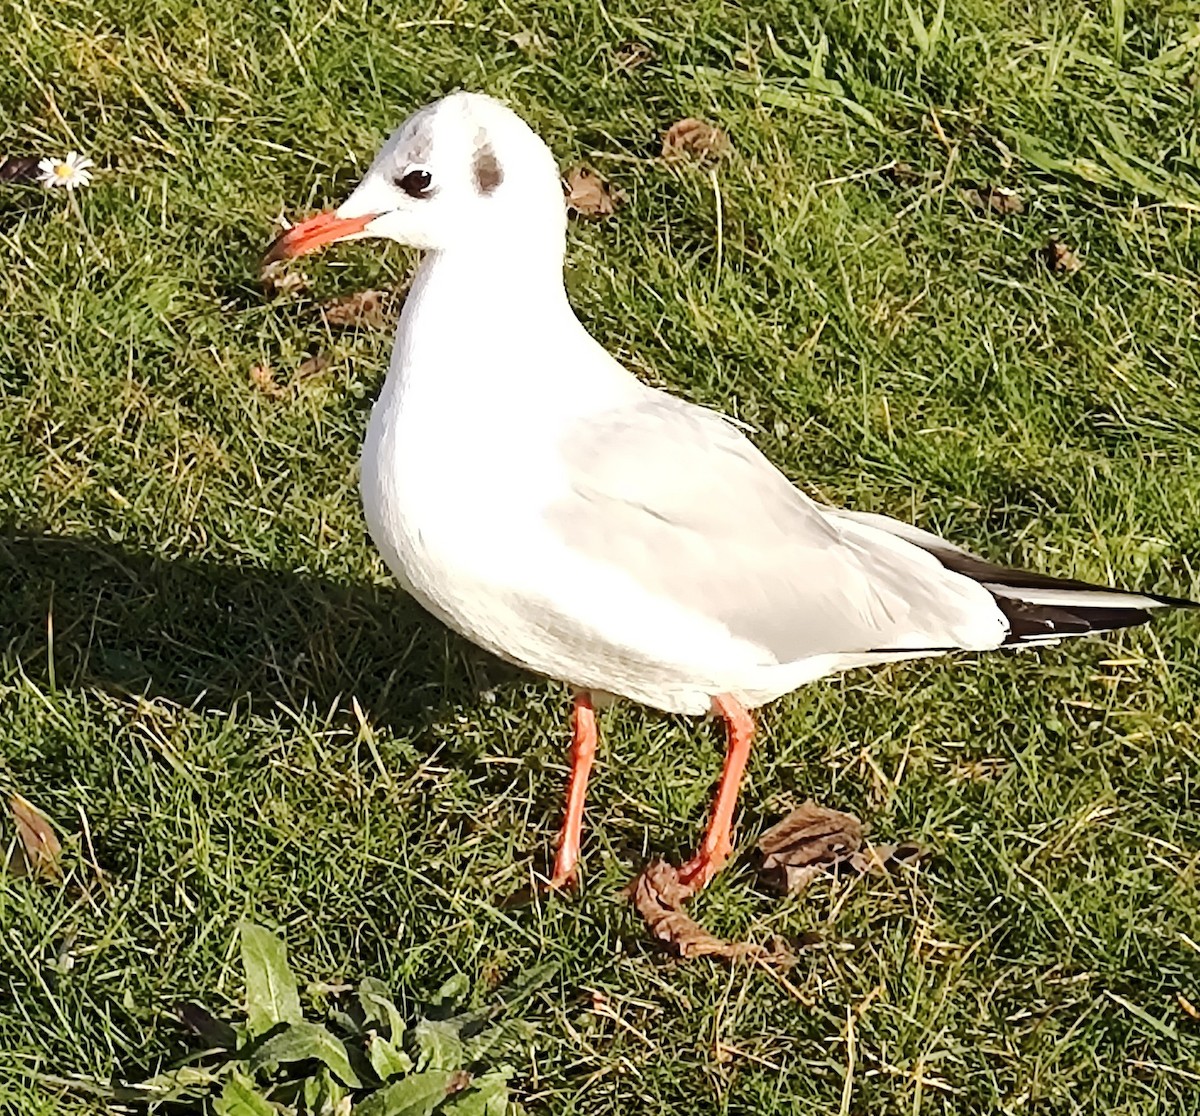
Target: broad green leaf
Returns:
[[387, 1059], [376, 1000], [417, 1095], [487, 1096], [211, 1030], [323, 1094], [303, 1041], [271, 995], [438, 1045], [453, 992], [240, 1098], [499, 1037]]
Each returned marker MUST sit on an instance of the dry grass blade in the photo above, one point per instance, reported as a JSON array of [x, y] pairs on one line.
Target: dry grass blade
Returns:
[[589, 195], [40, 850], [632, 54], [695, 139], [902, 174]]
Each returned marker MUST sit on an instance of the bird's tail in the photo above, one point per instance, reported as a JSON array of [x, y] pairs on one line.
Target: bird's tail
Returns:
[[1039, 608]]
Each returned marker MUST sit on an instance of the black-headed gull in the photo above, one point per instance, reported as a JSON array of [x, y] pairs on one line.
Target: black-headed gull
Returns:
[[541, 501]]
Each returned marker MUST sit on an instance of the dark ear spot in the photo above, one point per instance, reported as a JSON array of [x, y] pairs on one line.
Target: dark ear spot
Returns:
[[488, 174]]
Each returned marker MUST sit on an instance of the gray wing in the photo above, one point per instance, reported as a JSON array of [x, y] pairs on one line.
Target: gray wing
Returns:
[[676, 497]]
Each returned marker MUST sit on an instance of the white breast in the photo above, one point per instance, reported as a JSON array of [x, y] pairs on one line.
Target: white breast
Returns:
[[461, 454]]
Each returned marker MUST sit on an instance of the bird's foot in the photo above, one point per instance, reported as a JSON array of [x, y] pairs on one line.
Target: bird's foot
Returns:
[[564, 882], [696, 873]]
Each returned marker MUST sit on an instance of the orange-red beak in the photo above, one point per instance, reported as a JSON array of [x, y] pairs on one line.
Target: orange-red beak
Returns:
[[309, 235]]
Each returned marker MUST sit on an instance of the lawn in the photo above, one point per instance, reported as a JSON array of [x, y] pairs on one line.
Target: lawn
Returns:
[[212, 688]]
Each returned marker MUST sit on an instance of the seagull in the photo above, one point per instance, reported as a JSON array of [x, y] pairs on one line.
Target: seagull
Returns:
[[540, 500]]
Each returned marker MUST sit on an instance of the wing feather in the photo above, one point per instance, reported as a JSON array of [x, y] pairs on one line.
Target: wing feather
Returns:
[[683, 502]]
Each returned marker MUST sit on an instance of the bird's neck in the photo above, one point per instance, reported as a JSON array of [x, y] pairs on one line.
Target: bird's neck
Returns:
[[495, 280], [473, 316]]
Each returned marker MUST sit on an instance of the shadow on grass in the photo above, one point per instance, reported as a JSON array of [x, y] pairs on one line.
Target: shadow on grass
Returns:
[[80, 612]]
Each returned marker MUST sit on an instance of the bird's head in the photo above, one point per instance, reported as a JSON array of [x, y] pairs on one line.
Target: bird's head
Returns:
[[462, 171]]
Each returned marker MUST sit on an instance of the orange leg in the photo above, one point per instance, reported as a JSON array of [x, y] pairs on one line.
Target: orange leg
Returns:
[[583, 751], [717, 844]]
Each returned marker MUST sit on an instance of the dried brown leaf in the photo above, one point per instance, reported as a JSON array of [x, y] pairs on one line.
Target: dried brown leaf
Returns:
[[630, 55], [1059, 258], [40, 850], [695, 139], [797, 849], [313, 366], [279, 279], [19, 168], [995, 199], [813, 840], [369, 309], [659, 895], [882, 860], [1187, 1007], [589, 195], [263, 378]]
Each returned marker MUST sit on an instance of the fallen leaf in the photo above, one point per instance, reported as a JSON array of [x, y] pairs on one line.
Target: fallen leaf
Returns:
[[794, 851], [630, 55], [369, 309], [995, 199], [1059, 258], [278, 278], [19, 168], [40, 851], [589, 195], [263, 379], [313, 366], [1189, 1009], [813, 839], [882, 860], [694, 139], [659, 895]]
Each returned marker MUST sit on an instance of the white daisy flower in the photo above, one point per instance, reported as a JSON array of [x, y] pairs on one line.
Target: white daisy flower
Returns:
[[70, 171]]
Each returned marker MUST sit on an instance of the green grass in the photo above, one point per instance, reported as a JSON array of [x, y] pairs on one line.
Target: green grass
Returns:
[[192, 617]]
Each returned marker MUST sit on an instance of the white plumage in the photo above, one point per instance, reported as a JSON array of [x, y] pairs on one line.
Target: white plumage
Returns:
[[540, 500]]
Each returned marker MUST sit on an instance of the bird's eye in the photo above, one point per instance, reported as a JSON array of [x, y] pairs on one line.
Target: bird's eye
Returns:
[[416, 183]]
